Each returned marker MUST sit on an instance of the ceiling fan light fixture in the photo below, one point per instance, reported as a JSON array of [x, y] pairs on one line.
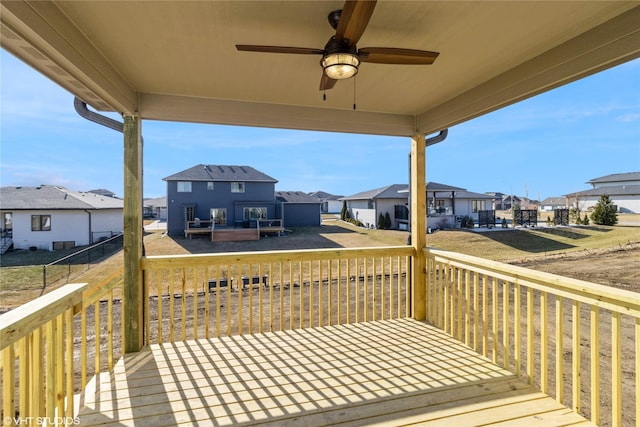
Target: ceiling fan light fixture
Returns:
[[340, 66]]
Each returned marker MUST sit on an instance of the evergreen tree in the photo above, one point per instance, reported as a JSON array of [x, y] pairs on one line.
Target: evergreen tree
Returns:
[[344, 213], [604, 212], [387, 221], [381, 223]]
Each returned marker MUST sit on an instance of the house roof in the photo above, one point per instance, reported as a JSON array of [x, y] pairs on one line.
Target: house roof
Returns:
[[226, 173], [119, 56], [295, 197], [611, 190], [52, 197], [389, 192], [159, 202], [436, 186], [616, 177], [554, 201], [323, 195], [464, 194]]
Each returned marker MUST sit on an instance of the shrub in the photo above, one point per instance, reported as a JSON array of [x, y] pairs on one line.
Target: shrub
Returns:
[[387, 221], [604, 213], [470, 223], [381, 222], [504, 223], [344, 213]]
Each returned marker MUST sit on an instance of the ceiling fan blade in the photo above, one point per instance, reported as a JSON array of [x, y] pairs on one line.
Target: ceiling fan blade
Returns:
[[326, 82], [389, 55], [279, 49], [354, 19]]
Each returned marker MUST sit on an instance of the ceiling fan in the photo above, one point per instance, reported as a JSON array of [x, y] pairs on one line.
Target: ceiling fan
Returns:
[[340, 56]]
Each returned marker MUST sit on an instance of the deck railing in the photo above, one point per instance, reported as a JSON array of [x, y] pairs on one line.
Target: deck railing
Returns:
[[548, 329], [52, 345], [199, 296]]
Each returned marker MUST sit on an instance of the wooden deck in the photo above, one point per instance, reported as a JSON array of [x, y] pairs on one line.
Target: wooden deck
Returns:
[[390, 372]]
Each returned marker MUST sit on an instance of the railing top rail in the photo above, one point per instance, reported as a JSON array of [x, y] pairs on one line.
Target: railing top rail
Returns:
[[83, 250], [22, 320], [618, 300], [267, 256]]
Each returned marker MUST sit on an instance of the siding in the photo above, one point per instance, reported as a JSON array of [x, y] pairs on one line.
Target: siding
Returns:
[[257, 194]]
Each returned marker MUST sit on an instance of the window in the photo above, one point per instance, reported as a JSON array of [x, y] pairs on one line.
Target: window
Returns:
[[210, 185], [401, 212], [478, 205], [237, 187], [184, 186], [254, 213], [219, 216], [40, 222]]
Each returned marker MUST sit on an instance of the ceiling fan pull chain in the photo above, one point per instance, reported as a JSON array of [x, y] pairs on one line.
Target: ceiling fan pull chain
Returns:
[[354, 93]]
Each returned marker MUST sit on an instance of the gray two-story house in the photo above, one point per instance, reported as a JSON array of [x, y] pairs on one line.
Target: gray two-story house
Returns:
[[228, 196]]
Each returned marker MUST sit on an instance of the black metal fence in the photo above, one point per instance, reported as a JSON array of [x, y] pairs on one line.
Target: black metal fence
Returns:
[[561, 216], [526, 217], [73, 265], [487, 219]]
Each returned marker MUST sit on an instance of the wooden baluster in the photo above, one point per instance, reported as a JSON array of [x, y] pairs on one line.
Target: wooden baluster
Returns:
[[595, 363], [575, 362], [559, 351]]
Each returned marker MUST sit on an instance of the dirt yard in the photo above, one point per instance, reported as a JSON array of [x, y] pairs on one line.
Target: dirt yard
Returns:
[[614, 266]]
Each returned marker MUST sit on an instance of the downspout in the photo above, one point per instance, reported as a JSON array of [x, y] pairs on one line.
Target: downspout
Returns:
[[436, 139], [90, 233], [83, 111]]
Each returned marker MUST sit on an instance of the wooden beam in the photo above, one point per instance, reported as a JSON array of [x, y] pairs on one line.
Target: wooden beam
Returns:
[[418, 225], [192, 109], [133, 289]]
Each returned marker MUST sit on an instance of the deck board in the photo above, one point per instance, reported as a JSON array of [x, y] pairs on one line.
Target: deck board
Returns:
[[391, 372]]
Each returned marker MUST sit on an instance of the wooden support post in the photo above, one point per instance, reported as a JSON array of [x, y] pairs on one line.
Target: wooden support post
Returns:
[[418, 226], [133, 292]]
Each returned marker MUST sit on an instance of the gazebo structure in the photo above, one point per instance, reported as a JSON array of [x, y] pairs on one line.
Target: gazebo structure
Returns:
[[356, 336]]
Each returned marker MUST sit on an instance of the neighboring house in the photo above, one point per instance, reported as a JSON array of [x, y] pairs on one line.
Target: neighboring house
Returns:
[[509, 202], [52, 217], [228, 195], [622, 188], [496, 200], [297, 209], [369, 205], [446, 205], [551, 203], [330, 203], [155, 208]]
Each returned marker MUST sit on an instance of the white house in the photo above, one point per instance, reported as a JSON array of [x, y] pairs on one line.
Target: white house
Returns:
[[367, 206], [330, 203], [551, 203], [52, 217], [446, 204], [622, 188]]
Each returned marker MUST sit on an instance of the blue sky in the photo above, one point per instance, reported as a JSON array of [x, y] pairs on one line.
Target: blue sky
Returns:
[[548, 145]]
